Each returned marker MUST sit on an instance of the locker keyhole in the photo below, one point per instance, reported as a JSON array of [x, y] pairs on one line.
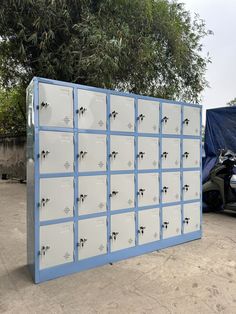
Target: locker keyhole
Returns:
[[82, 242], [141, 155], [141, 230], [165, 189], [185, 155], [114, 235], [186, 187], [81, 110], [141, 192], [44, 104], [44, 249], [114, 193], [113, 114], [165, 119], [82, 154], [113, 154], [82, 197], [141, 117], [186, 121], [165, 224], [164, 155], [44, 153], [186, 220], [44, 201]]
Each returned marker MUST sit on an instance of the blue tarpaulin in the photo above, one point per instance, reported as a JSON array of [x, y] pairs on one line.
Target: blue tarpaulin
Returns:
[[220, 133]]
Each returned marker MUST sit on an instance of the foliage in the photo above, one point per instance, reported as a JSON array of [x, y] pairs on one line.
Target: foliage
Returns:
[[232, 102]]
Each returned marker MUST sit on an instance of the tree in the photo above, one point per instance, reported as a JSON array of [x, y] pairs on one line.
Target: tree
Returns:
[[232, 102], [151, 47]]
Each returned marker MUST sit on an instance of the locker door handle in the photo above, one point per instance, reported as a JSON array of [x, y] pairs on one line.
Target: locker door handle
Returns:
[[165, 119], [113, 154], [186, 121], [81, 110], [186, 220], [82, 242], [44, 249], [82, 197], [164, 189], [141, 155], [185, 155], [114, 235], [186, 187], [141, 230], [141, 117], [44, 201], [44, 153], [165, 224], [82, 154], [114, 193], [164, 155], [44, 104], [113, 114], [141, 192]]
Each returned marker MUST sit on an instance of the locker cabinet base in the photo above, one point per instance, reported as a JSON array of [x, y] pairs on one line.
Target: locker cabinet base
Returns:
[[63, 270]]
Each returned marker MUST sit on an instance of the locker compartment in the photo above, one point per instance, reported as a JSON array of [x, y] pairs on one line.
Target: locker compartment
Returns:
[[92, 194], [56, 245], [171, 221], [56, 198], [121, 152], [191, 121], [122, 231], [91, 110], [122, 191], [170, 154], [171, 118], [121, 113], [170, 187], [92, 237], [191, 153], [56, 152], [148, 153], [148, 116], [191, 217], [191, 185], [92, 152], [148, 189], [55, 105], [149, 225]]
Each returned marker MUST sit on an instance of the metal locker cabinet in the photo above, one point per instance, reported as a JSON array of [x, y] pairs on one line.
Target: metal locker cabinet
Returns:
[[91, 110], [170, 153], [148, 116], [56, 198], [171, 118], [92, 237], [121, 113], [171, 221], [55, 105], [191, 217], [191, 153], [148, 153], [56, 244], [121, 152], [191, 185], [170, 189], [148, 225], [122, 231], [191, 121], [148, 189], [92, 194], [55, 158], [92, 152], [122, 191]]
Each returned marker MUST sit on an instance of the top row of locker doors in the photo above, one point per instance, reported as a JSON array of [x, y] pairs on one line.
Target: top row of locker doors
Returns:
[[56, 110]]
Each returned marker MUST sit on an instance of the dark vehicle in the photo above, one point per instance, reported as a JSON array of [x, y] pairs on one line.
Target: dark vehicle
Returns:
[[219, 191]]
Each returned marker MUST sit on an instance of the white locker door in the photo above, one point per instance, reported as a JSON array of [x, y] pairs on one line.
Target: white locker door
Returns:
[[191, 153], [56, 244], [91, 110], [148, 189], [170, 154], [121, 113], [92, 194], [171, 221], [191, 185], [55, 105], [122, 191], [170, 187], [56, 198], [191, 121], [148, 116], [92, 237], [121, 152], [92, 152], [148, 153], [171, 118], [56, 152], [122, 231], [149, 225], [191, 219]]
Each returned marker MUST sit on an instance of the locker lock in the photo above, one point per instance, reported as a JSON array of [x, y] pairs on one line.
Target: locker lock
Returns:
[[82, 154], [164, 155], [113, 154], [82, 197], [186, 220], [44, 153], [185, 155], [141, 117], [114, 193], [165, 119], [165, 188], [44, 201], [114, 235], [186, 121], [141, 192], [185, 188], [44, 104], [82, 242], [165, 224], [141, 155], [44, 249], [113, 114], [81, 110], [141, 230]]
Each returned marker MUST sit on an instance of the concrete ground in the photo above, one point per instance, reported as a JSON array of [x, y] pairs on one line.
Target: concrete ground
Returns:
[[197, 277]]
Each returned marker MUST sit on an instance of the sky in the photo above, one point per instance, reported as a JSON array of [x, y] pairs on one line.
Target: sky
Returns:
[[220, 17]]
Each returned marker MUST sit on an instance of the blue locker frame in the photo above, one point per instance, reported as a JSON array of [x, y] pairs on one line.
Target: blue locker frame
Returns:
[[33, 221]]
